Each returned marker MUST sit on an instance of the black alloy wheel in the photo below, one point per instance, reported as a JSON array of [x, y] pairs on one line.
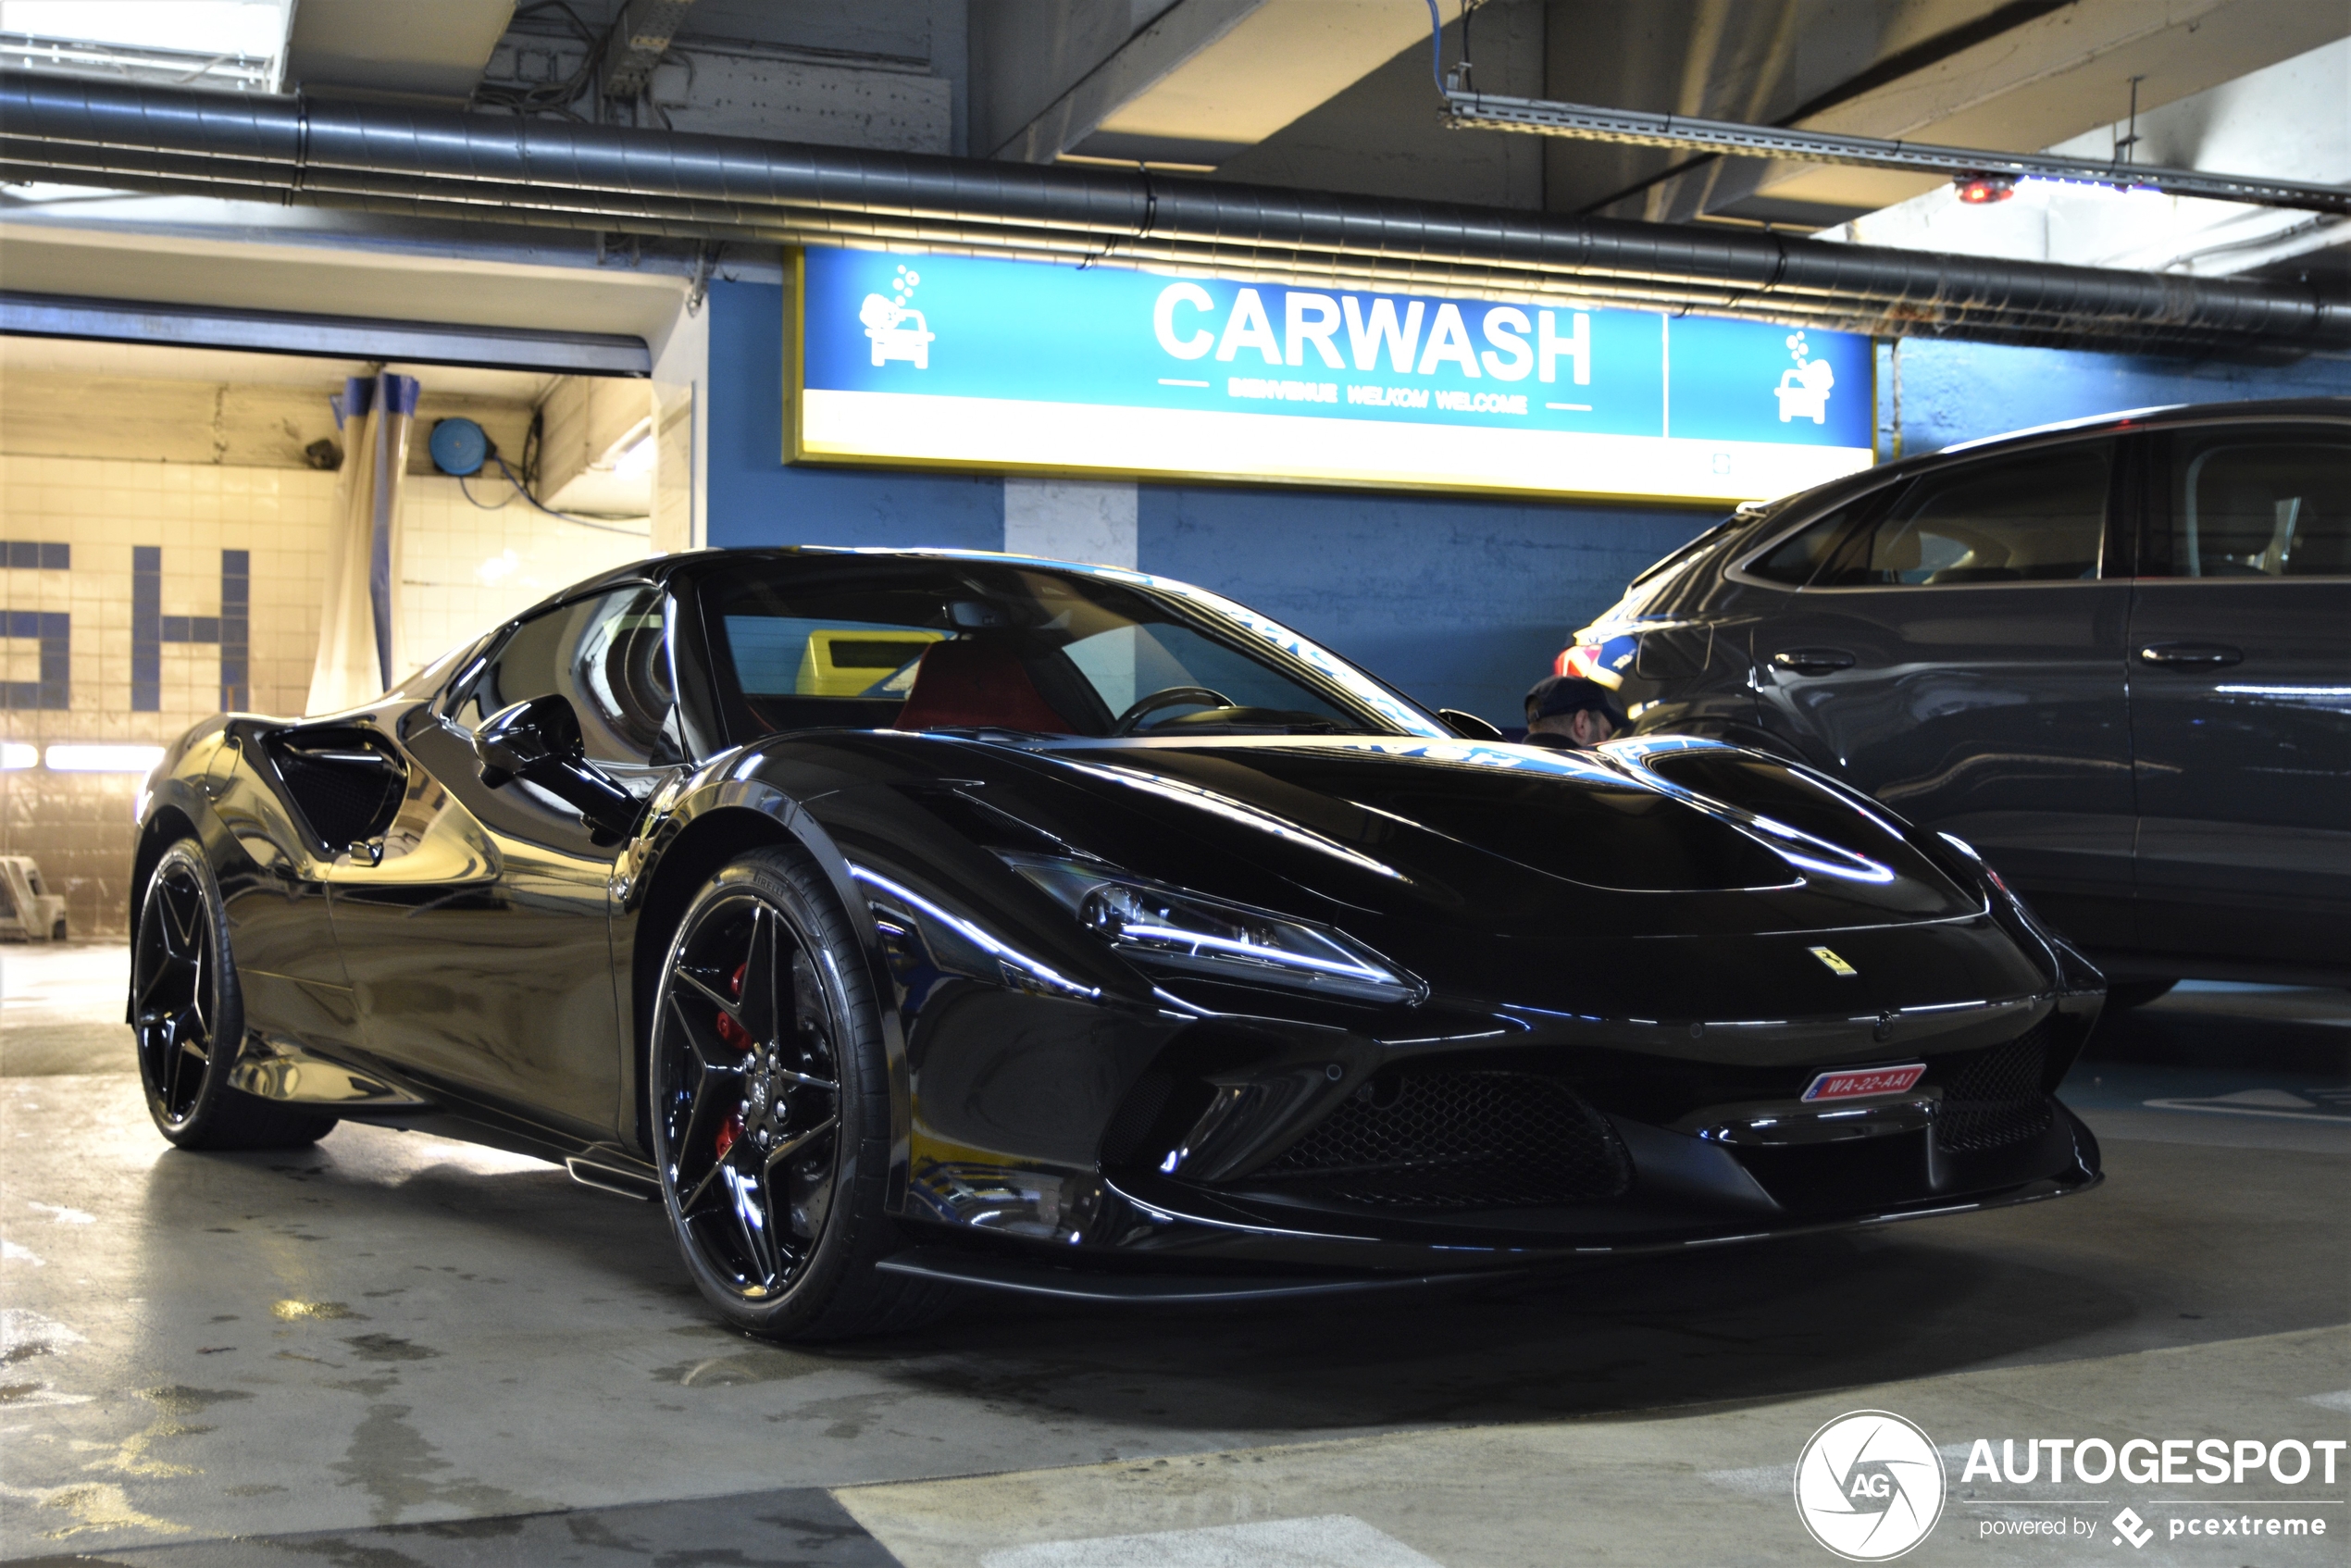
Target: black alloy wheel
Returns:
[[770, 1109], [188, 1018]]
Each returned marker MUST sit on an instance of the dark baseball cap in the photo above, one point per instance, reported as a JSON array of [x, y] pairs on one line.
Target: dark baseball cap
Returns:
[[1557, 695]]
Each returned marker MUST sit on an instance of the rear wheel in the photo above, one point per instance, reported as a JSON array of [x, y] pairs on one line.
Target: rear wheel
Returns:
[[770, 1109], [189, 1019]]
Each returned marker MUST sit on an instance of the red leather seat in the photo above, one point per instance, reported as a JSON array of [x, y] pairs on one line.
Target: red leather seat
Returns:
[[978, 685]]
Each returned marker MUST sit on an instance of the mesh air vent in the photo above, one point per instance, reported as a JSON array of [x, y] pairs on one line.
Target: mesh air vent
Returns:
[[1458, 1140], [1996, 1097]]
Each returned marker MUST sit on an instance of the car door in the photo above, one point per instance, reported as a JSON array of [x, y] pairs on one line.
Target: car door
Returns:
[[2240, 675], [293, 799], [479, 945], [1957, 654]]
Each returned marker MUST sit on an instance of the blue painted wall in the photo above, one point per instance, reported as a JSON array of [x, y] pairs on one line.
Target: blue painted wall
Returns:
[[1462, 604], [1953, 391]]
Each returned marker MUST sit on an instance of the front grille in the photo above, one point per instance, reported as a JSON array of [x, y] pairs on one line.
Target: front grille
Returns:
[[1458, 1140], [1996, 1097]]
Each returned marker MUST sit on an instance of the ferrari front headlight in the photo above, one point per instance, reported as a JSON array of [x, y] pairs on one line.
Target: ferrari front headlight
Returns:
[[1157, 926]]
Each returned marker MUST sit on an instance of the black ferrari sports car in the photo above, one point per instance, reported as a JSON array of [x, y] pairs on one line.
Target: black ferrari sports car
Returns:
[[918, 920]]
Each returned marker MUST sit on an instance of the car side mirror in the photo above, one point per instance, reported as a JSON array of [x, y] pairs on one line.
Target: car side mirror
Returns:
[[1469, 727], [538, 741]]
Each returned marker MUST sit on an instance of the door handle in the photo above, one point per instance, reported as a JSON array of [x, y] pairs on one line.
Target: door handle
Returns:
[[1812, 660], [2191, 655]]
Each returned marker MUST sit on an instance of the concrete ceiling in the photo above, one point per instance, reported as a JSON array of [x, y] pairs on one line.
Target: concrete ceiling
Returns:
[[1198, 82], [1201, 80], [2049, 78], [1276, 89], [2289, 116], [415, 51]]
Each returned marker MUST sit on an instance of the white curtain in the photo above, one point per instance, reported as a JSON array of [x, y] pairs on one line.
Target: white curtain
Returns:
[[359, 642]]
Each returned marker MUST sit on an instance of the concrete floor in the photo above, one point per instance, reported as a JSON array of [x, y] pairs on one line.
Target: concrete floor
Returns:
[[393, 1350]]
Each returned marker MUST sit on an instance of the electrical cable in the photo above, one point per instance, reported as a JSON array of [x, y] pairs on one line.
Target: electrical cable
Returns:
[[555, 96], [534, 500], [481, 506], [560, 516]]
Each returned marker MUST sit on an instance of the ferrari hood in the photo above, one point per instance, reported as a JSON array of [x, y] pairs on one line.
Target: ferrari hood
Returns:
[[1683, 838]]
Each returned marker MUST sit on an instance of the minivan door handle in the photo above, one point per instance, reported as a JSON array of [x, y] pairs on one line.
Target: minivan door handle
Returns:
[[2193, 656], [1812, 660]]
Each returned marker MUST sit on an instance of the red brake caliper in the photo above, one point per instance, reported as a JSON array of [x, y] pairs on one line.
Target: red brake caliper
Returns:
[[735, 1035]]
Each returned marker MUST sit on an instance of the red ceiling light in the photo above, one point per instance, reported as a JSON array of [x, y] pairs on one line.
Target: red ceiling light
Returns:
[[1982, 189]]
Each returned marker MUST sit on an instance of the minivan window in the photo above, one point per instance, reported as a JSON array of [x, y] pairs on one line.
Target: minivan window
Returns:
[[2256, 504], [2035, 517], [1797, 559]]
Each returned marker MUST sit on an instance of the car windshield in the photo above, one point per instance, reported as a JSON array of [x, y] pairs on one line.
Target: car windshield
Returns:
[[876, 643]]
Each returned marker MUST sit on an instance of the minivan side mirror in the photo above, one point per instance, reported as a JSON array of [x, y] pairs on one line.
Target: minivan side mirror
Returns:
[[538, 741]]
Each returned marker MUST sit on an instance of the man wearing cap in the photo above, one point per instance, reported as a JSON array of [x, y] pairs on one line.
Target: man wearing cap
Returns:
[[1569, 713]]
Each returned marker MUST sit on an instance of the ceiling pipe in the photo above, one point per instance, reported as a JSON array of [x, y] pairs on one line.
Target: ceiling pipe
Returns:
[[599, 179]]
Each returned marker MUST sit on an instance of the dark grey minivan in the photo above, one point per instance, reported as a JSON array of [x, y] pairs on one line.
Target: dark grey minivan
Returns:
[[2114, 655]]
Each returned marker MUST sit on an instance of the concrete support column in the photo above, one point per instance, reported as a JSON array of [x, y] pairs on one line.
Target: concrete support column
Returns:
[[1071, 520], [681, 424]]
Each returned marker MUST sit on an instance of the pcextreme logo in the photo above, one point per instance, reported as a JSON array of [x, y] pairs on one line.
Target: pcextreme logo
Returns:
[[1869, 1486]]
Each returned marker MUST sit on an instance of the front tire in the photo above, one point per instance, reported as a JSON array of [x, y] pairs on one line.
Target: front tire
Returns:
[[770, 1109], [189, 1019]]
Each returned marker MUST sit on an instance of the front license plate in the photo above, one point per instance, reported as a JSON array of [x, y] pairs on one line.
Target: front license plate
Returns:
[[1856, 1084]]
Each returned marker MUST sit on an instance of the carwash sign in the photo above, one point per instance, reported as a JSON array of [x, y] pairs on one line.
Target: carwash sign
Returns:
[[948, 361]]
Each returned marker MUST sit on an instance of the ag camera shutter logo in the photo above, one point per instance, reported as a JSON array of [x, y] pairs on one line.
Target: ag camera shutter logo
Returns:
[[1869, 1486]]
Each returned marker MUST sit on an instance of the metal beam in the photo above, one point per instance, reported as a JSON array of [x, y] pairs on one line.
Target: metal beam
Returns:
[[1590, 122], [325, 337], [1131, 69]]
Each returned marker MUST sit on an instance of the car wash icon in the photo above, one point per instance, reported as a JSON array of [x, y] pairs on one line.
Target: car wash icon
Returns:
[[1803, 391], [898, 331]]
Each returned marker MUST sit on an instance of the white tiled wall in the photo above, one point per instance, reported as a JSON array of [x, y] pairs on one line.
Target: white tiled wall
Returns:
[[467, 564], [463, 569]]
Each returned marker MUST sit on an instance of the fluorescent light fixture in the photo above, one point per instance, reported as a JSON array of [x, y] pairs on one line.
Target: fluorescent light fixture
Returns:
[[236, 44], [15, 754], [104, 759], [632, 453], [637, 457]]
